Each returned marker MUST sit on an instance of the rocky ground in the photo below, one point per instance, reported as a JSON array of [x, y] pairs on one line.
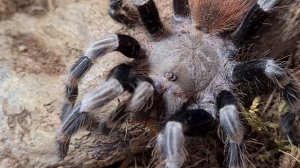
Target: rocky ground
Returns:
[[41, 39]]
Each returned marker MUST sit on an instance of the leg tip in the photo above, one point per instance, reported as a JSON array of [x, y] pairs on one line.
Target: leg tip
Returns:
[[288, 129], [104, 129], [236, 159], [62, 146]]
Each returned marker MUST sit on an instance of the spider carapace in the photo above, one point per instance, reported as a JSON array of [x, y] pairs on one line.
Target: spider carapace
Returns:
[[191, 70]]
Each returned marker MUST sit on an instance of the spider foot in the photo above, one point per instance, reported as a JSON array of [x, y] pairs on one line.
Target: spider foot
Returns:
[[71, 125], [170, 141], [232, 128], [170, 145], [122, 14], [62, 145], [288, 128]]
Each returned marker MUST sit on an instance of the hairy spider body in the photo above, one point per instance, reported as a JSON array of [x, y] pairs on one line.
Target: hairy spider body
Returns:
[[184, 78], [184, 57]]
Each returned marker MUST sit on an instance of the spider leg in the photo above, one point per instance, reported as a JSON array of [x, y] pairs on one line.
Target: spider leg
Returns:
[[252, 71], [232, 128], [116, 12], [141, 101], [262, 6], [170, 141], [147, 12], [120, 79], [181, 10], [150, 17], [143, 96], [115, 42]]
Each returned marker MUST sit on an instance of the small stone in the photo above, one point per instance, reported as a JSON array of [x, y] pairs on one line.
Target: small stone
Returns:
[[22, 48]]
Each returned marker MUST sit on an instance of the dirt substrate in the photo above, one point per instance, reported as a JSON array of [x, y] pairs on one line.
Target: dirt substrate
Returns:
[[41, 39]]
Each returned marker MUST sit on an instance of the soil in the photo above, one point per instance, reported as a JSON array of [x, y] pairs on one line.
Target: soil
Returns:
[[41, 39]]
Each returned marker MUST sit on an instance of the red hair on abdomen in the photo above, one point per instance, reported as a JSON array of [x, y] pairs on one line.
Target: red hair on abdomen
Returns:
[[216, 16]]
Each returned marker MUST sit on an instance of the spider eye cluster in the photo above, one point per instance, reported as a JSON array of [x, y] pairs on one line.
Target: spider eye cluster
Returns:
[[170, 76]]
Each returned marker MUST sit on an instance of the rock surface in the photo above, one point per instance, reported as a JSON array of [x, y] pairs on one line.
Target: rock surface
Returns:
[[39, 41]]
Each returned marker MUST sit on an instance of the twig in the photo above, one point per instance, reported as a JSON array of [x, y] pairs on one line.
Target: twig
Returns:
[[290, 155], [270, 100], [195, 164]]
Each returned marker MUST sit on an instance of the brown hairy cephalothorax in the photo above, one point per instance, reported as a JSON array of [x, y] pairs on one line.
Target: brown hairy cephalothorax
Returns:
[[184, 78]]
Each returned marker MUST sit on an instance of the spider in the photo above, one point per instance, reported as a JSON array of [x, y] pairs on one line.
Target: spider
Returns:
[[185, 77]]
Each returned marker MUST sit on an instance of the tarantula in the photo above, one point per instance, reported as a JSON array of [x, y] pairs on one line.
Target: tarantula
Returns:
[[184, 77]]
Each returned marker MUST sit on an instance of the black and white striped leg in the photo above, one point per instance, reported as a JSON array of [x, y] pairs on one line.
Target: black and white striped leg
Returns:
[[150, 17], [71, 88], [121, 78], [143, 95], [115, 42], [260, 70], [232, 128], [260, 8], [181, 10], [140, 102], [116, 11], [170, 141]]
